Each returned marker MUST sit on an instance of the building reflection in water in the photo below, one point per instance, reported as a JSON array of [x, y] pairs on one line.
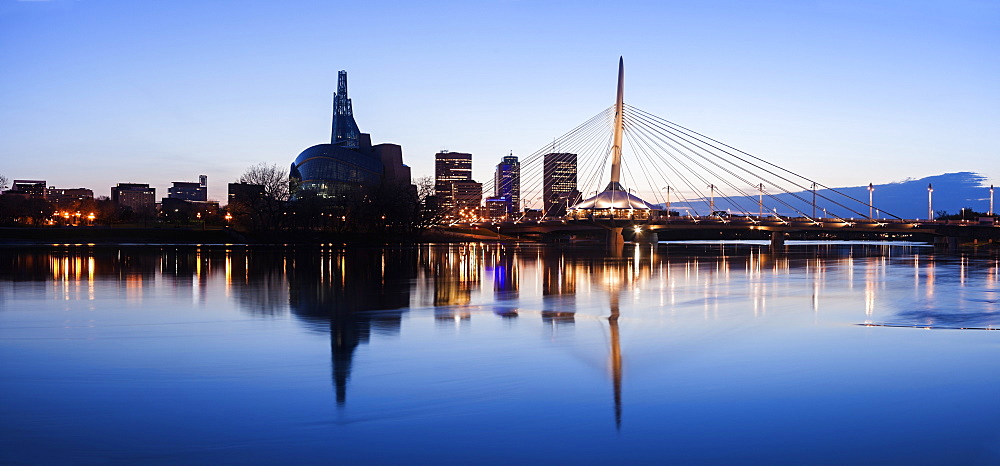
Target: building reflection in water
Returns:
[[352, 294], [505, 273], [558, 290], [456, 273]]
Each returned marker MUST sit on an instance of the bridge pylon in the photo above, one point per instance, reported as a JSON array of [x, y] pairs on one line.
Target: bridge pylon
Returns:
[[615, 202]]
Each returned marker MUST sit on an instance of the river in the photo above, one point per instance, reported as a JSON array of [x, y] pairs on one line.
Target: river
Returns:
[[686, 352]]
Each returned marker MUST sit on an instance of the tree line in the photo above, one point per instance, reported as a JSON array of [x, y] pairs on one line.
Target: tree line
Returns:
[[267, 202]]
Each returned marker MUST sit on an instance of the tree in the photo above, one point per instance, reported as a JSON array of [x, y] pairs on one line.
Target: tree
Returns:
[[425, 187], [3, 182], [262, 205], [34, 210], [105, 209], [428, 210], [275, 181], [965, 213]]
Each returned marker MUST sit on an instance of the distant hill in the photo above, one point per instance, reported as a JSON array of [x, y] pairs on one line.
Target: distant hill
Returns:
[[906, 199]]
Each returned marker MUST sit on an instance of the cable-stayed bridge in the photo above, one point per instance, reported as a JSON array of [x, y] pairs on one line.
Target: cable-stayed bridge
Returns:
[[626, 170]]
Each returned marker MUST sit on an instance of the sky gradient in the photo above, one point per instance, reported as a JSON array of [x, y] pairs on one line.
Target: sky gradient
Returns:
[[94, 93]]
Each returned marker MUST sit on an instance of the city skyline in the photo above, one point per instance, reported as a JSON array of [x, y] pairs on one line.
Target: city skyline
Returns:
[[101, 94]]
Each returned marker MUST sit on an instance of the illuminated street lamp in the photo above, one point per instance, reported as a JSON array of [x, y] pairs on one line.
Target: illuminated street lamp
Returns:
[[871, 189], [668, 200], [930, 198], [760, 201], [814, 199], [991, 200]]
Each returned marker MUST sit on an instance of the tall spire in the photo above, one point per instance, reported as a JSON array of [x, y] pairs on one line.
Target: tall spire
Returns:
[[345, 129], [616, 148]]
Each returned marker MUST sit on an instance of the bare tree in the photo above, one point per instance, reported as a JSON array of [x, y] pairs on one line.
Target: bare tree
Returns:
[[3, 182], [425, 187], [274, 180], [428, 210], [264, 207]]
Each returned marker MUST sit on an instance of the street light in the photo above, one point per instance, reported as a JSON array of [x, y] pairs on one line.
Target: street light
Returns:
[[668, 200], [930, 199], [871, 189], [991, 201], [814, 199], [760, 201]]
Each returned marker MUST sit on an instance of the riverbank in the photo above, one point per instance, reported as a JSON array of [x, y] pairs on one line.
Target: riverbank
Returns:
[[117, 235], [130, 234]]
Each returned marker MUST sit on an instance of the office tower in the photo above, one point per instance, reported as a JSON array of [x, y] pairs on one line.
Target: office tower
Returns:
[[467, 196], [450, 167], [507, 182], [559, 183]]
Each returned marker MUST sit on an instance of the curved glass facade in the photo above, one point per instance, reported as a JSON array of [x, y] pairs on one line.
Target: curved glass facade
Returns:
[[333, 171]]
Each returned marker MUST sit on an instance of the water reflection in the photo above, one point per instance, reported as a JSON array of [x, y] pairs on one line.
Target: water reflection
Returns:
[[337, 291], [352, 294]]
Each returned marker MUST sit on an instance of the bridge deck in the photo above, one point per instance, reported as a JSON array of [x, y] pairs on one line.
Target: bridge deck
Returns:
[[936, 228]]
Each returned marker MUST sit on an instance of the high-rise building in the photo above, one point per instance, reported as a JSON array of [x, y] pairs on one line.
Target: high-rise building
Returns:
[[507, 182], [468, 196], [559, 187], [139, 197], [189, 191], [450, 167]]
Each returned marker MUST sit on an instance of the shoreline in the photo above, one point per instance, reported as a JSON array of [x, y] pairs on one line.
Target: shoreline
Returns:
[[169, 235]]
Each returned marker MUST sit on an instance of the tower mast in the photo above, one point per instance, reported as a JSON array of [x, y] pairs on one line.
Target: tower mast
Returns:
[[616, 148]]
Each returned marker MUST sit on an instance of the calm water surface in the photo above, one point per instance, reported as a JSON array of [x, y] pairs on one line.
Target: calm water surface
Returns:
[[704, 353]]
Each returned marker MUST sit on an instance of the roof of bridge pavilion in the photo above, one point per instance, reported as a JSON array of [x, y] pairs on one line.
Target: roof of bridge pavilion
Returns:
[[613, 199]]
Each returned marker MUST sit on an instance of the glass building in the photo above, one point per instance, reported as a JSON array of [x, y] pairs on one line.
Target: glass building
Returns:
[[559, 183], [507, 182], [349, 163]]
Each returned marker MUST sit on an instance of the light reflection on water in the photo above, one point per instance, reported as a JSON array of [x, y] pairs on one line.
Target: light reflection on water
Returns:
[[686, 352]]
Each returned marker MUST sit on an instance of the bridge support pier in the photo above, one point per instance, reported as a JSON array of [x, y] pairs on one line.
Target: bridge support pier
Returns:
[[646, 237], [777, 239], [616, 242], [949, 243]]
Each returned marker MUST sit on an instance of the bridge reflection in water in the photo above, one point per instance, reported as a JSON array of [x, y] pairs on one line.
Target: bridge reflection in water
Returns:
[[356, 294]]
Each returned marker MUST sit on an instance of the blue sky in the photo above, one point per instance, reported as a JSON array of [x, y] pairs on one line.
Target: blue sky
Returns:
[[95, 92]]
